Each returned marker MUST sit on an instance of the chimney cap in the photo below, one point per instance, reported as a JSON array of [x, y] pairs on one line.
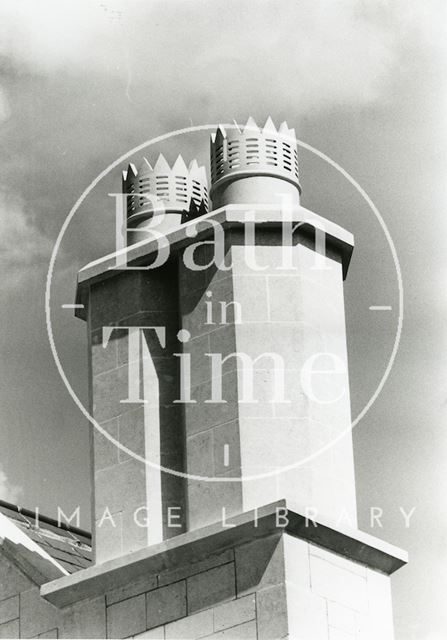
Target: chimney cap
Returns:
[[177, 189], [246, 151]]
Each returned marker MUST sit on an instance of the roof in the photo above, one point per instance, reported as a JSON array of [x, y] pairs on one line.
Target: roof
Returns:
[[69, 546]]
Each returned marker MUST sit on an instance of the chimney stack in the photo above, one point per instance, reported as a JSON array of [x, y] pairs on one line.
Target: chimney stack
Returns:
[[267, 324], [220, 370]]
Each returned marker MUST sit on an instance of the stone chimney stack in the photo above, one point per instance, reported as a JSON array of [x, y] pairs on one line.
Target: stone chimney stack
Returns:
[[223, 368], [221, 439], [270, 316], [134, 373]]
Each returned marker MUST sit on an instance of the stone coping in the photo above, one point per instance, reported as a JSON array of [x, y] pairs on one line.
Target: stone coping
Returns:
[[34, 565], [229, 216], [196, 545], [26, 554]]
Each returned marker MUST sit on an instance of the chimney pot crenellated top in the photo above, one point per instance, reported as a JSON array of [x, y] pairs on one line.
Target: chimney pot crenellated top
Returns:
[[177, 189], [252, 152], [249, 165]]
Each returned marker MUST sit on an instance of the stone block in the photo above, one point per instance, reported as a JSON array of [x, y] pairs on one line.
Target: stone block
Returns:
[[288, 446], [377, 622], [326, 312], [194, 313], [162, 381], [345, 587], [9, 609], [127, 617], [131, 432], [298, 405], [250, 291], [293, 342], [105, 452], [135, 536], [227, 449], [114, 299], [10, 629], [85, 619], [202, 312], [299, 478], [171, 429], [200, 454], [109, 389], [259, 564], [202, 414], [261, 407], [13, 581], [128, 292], [173, 487], [159, 288], [134, 588], [332, 495], [159, 350], [245, 631], [223, 342], [195, 626], [103, 358], [226, 308], [178, 573], [267, 259], [206, 501], [285, 298], [211, 587], [235, 612], [271, 609], [318, 268], [340, 561], [152, 634], [307, 614], [259, 488], [166, 604], [341, 618], [52, 633], [262, 402], [120, 486], [109, 537], [200, 363], [193, 279], [215, 452], [338, 634], [296, 557], [36, 614]]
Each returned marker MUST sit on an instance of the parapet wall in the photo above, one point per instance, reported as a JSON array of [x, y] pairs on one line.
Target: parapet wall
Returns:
[[276, 583]]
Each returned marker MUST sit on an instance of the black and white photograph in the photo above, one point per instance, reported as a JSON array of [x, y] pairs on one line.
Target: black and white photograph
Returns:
[[223, 246]]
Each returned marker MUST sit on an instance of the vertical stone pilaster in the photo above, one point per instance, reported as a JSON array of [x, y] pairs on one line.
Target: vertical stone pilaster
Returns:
[[129, 491], [210, 427]]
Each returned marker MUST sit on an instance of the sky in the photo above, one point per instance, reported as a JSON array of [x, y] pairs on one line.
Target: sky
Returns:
[[82, 83]]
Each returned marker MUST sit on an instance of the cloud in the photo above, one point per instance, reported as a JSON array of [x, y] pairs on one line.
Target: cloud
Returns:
[[23, 248], [309, 54], [5, 109], [8, 491], [52, 34]]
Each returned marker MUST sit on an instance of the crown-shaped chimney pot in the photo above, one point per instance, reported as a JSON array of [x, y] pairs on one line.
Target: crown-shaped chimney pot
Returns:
[[177, 193], [254, 165]]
